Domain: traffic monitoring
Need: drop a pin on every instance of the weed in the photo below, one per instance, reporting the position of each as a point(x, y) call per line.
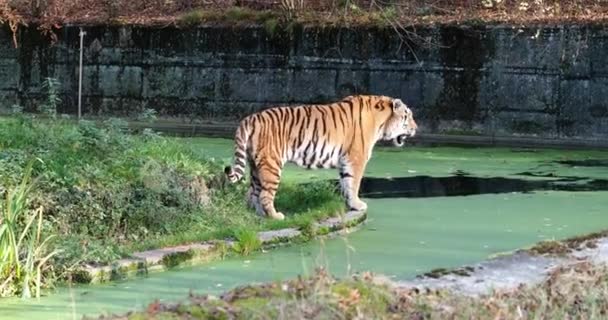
point(177, 258)
point(16, 109)
point(24, 253)
point(308, 228)
point(191, 18)
point(271, 26)
point(51, 87)
point(148, 115)
point(222, 249)
point(247, 241)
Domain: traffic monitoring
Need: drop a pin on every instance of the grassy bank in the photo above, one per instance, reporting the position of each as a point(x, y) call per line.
point(574, 292)
point(101, 194)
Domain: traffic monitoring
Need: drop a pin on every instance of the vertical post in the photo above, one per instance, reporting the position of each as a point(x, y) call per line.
point(82, 33)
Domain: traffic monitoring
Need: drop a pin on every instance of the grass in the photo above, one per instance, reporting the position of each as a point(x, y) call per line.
point(104, 193)
point(23, 252)
point(247, 241)
point(576, 291)
point(232, 15)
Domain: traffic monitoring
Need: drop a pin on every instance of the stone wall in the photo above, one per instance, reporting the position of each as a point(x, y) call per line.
point(546, 81)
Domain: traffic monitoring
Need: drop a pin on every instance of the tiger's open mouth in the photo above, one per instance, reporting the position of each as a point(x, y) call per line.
point(399, 140)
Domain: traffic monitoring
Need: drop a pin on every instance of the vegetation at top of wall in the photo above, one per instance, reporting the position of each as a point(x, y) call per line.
point(50, 15)
point(574, 292)
point(101, 193)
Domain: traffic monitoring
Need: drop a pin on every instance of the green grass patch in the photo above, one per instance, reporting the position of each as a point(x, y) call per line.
point(233, 15)
point(247, 241)
point(105, 193)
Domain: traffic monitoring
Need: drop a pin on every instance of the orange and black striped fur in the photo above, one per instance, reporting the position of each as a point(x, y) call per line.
point(337, 135)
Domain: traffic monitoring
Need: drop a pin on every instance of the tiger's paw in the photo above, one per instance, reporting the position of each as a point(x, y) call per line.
point(278, 216)
point(358, 205)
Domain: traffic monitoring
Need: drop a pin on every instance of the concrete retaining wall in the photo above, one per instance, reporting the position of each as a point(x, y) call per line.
point(546, 81)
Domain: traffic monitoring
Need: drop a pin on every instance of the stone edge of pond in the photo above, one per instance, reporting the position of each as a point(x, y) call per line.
point(162, 259)
point(508, 271)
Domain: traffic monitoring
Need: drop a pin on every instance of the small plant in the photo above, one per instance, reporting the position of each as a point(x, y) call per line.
point(247, 241)
point(51, 87)
point(149, 134)
point(23, 252)
point(222, 249)
point(191, 18)
point(237, 14)
point(291, 7)
point(148, 115)
point(16, 109)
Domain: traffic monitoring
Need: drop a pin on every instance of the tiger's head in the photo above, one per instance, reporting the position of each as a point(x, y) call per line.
point(401, 124)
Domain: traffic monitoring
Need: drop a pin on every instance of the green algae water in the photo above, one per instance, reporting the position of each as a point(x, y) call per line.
point(427, 224)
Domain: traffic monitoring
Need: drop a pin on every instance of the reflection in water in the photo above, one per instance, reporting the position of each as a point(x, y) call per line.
point(461, 185)
point(585, 163)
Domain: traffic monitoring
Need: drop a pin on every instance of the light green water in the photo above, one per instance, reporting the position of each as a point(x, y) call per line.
point(403, 236)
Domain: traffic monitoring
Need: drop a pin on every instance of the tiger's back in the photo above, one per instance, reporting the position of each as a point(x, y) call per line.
point(336, 135)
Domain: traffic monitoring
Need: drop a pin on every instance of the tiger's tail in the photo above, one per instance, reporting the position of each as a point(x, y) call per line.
point(236, 171)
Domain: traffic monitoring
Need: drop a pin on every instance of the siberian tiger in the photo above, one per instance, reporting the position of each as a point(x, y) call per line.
point(336, 135)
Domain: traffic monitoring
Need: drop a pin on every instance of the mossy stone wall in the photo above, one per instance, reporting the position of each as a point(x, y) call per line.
point(544, 81)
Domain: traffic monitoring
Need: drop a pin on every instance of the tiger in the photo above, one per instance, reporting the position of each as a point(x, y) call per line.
point(338, 135)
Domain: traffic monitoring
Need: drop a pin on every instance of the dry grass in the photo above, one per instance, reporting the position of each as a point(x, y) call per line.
point(53, 13)
point(401, 15)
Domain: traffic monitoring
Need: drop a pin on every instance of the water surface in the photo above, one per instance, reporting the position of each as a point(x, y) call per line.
point(428, 208)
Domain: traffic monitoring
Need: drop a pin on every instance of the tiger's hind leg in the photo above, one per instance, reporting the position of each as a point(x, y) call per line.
point(269, 174)
point(253, 193)
point(351, 173)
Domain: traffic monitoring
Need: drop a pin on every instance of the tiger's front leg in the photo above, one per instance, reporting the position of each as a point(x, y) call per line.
point(351, 173)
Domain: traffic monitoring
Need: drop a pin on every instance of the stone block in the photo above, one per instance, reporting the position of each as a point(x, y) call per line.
point(7, 47)
point(120, 81)
point(352, 82)
point(313, 86)
point(238, 85)
point(164, 81)
point(583, 110)
point(156, 256)
point(273, 86)
point(534, 48)
point(9, 74)
point(110, 106)
point(232, 110)
point(536, 124)
point(278, 235)
point(319, 43)
point(8, 98)
point(404, 85)
point(575, 57)
point(432, 84)
point(355, 45)
point(598, 47)
point(574, 97)
point(518, 91)
point(202, 82)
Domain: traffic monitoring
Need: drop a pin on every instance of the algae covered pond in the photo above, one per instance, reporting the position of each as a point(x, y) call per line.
point(428, 208)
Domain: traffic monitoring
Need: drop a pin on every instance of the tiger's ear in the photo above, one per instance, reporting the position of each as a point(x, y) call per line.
point(399, 107)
